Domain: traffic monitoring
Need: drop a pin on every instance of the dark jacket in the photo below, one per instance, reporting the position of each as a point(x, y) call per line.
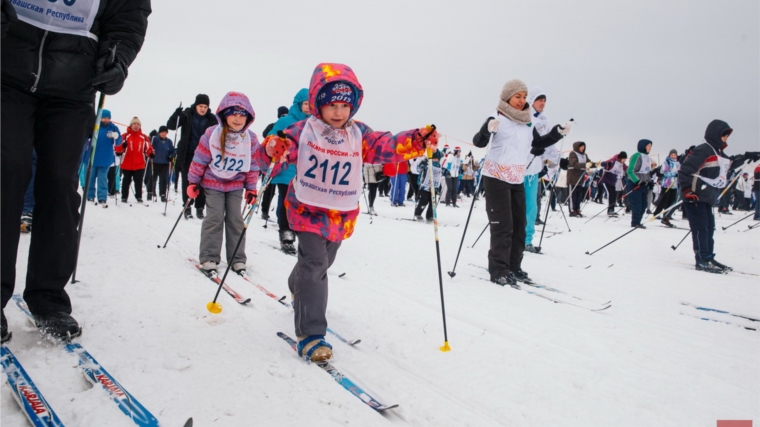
point(575, 169)
point(63, 65)
point(704, 162)
point(608, 177)
point(164, 149)
point(188, 140)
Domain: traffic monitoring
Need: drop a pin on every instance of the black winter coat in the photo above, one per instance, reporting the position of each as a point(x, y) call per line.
point(187, 143)
point(63, 65)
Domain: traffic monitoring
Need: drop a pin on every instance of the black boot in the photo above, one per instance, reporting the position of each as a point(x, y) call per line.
point(287, 242)
point(199, 213)
point(507, 280)
point(722, 266)
point(522, 276)
point(58, 325)
point(6, 335)
point(188, 213)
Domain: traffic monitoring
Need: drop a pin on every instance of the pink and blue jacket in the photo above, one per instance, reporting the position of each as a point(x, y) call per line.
point(200, 173)
point(377, 148)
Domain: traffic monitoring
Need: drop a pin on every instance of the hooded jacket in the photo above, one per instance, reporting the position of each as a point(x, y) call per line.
point(188, 140)
point(201, 173)
point(104, 151)
point(294, 115)
point(576, 167)
point(377, 148)
point(164, 149)
point(138, 149)
point(704, 162)
point(63, 65)
point(609, 177)
point(638, 171)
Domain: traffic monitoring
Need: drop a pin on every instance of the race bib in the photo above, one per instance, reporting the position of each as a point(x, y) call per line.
point(646, 164)
point(59, 16)
point(237, 154)
point(329, 166)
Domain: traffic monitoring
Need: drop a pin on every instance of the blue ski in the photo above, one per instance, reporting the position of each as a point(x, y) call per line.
point(27, 394)
point(343, 380)
point(715, 310)
point(97, 375)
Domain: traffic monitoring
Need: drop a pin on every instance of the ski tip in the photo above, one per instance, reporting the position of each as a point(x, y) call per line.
point(188, 423)
point(354, 342)
point(385, 408)
point(341, 274)
point(246, 301)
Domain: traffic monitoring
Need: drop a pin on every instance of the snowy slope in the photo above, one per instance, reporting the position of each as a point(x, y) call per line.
point(516, 359)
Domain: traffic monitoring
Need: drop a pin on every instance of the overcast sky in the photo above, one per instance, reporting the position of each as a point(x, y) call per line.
point(624, 70)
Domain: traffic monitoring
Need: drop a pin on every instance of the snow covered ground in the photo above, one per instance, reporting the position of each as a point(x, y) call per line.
point(516, 359)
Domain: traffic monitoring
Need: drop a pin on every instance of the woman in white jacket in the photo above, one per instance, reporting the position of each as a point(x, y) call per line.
point(503, 173)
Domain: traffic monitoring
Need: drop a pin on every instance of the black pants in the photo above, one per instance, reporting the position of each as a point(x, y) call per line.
point(384, 186)
point(200, 201)
point(611, 196)
point(112, 181)
point(451, 190)
point(282, 213)
point(637, 197)
point(148, 178)
point(702, 225)
point(468, 187)
point(414, 186)
point(55, 128)
point(266, 200)
point(422, 203)
point(160, 174)
point(667, 197)
point(577, 197)
point(126, 180)
point(505, 206)
point(372, 193)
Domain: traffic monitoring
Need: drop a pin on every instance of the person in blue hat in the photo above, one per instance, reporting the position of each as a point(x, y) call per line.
point(108, 136)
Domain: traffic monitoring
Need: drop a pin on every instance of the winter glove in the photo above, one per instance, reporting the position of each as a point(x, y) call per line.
point(250, 196)
point(428, 135)
point(9, 16)
point(689, 195)
point(152, 155)
point(277, 146)
point(543, 172)
point(752, 156)
point(565, 129)
point(564, 163)
point(650, 184)
point(124, 145)
point(193, 191)
point(111, 135)
point(110, 73)
point(178, 111)
point(493, 126)
point(537, 151)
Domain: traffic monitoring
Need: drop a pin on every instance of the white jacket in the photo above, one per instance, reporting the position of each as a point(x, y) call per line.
point(510, 148)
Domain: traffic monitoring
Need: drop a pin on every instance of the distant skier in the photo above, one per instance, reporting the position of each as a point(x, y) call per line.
point(612, 180)
point(640, 181)
point(669, 187)
point(427, 199)
point(136, 149)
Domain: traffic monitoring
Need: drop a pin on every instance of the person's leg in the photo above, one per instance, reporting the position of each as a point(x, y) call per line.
point(700, 235)
point(637, 203)
point(233, 226)
point(612, 197)
point(530, 185)
point(266, 200)
point(757, 206)
point(309, 285)
point(372, 194)
point(519, 218)
point(454, 190)
point(499, 211)
point(401, 188)
point(162, 176)
point(212, 228)
point(185, 184)
point(102, 183)
point(126, 181)
point(138, 177)
point(91, 185)
point(29, 195)
point(282, 213)
point(111, 180)
point(708, 214)
point(410, 178)
point(421, 203)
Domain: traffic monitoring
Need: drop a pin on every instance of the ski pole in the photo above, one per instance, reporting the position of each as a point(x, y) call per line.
point(600, 212)
point(88, 175)
point(725, 228)
point(364, 193)
point(480, 235)
point(665, 212)
point(562, 211)
point(752, 227)
point(543, 228)
point(168, 183)
point(187, 204)
point(453, 273)
point(213, 306)
point(679, 243)
point(626, 233)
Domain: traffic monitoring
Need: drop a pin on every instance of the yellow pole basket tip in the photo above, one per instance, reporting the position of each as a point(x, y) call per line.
point(214, 307)
point(445, 347)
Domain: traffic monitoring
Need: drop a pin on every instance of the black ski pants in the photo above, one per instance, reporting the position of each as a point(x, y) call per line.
point(423, 202)
point(266, 199)
point(577, 197)
point(126, 179)
point(372, 190)
point(666, 200)
point(55, 128)
point(160, 174)
point(282, 213)
point(611, 196)
point(505, 206)
point(702, 225)
point(414, 186)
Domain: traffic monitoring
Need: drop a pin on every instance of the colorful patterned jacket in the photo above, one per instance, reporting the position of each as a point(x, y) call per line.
point(377, 148)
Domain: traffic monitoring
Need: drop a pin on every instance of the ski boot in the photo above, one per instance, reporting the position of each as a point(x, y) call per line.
point(429, 220)
point(721, 266)
point(508, 279)
point(418, 218)
point(209, 268)
point(314, 348)
point(199, 213)
point(6, 334)
point(522, 276)
point(532, 249)
point(26, 223)
point(666, 222)
point(539, 222)
point(239, 268)
point(372, 211)
point(708, 267)
point(641, 226)
point(188, 213)
point(611, 213)
point(287, 240)
point(58, 325)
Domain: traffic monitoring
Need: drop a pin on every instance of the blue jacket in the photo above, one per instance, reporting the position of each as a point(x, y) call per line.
point(104, 156)
point(294, 115)
point(164, 149)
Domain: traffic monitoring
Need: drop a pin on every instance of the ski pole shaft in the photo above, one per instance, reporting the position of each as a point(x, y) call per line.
point(726, 228)
point(168, 184)
point(679, 243)
point(88, 176)
point(543, 227)
point(364, 193)
point(480, 235)
point(453, 273)
point(187, 204)
point(626, 233)
point(600, 212)
point(752, 227)
point(665, 213)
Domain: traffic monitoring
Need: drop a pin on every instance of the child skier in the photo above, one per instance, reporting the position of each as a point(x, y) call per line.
point(639, 174)
point(503, 175)
point(669, 190)
point(323, 200)
point(222, 166)
point(426, 198)
point(613, 179)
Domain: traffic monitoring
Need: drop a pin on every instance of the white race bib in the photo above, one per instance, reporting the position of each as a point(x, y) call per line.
point(722, 180)
point(329, 166)
point(59, 16)
point(646, 164)
point(237, 154)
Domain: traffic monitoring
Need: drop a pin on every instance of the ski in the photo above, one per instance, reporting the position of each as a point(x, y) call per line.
point(215, 278)
point(729, 271)
point(602, 307)
point(715, 310)
point(26, 393)
point(97, 375)
point(718, 321)
point(341, 379)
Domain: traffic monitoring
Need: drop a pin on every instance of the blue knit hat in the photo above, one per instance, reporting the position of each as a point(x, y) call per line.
point(105, 115)
point(337, 91)
point(233, 110)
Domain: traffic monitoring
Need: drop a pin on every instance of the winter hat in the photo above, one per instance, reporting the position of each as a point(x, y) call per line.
point(337, 92)
point(105, 114)
point(163, 129)
point(508, 91)
point(135, 120)
point(535, 94)
point(457, 148)
point(282, 111)
point(202, 99)
point(623, 155)
point(642, 145)
point(673, 151)
point(233, 110)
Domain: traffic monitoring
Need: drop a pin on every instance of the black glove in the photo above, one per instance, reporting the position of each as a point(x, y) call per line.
point(650, 184)
point(537, 151)
point(564, 163)
point(171, 156)
point(9, 16)
point(152, 155)
point(110, 73)
point(752, 156)
point(543, 172)
point(178, 111)
point(124, 145)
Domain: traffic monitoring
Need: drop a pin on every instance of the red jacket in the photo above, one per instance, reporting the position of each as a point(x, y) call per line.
point(138, 150)
point(391, 169)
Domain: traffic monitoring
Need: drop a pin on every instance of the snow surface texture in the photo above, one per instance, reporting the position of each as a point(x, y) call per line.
point(516, 359)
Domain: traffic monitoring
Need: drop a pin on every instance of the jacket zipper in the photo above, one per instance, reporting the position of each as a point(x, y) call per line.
point(39, 64)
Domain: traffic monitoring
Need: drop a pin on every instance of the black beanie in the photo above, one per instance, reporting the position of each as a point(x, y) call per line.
point(202, 99)
point(623, 155)
point(282, 111)
point(162, 129)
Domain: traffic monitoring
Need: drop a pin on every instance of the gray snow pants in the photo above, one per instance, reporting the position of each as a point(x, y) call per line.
point(308, 282)
point(223, 219)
